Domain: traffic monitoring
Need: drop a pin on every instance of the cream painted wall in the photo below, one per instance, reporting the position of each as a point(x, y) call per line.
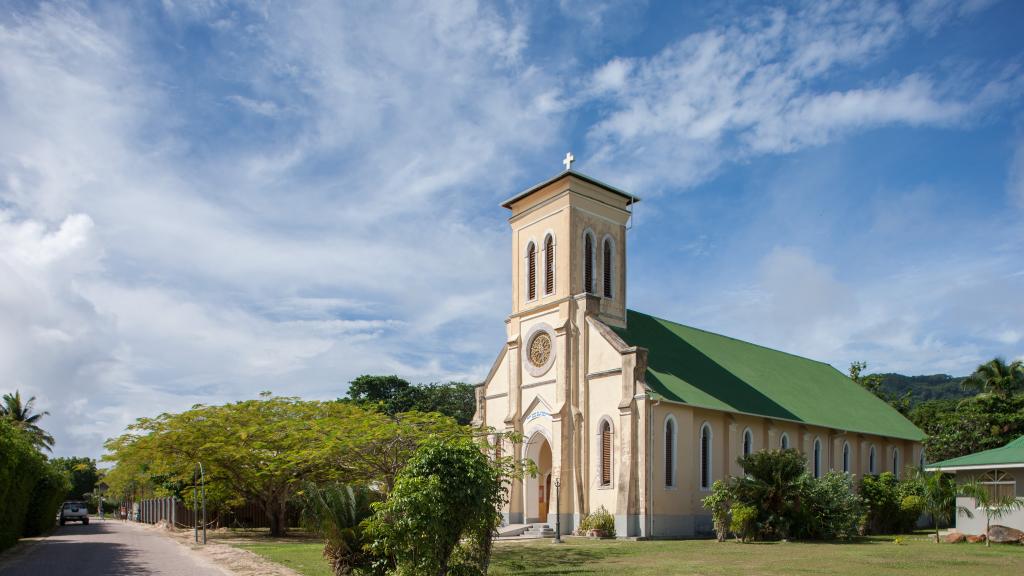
point(603, 405)
point(601, 355)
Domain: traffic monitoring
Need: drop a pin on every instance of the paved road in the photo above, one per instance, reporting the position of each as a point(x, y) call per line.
point(108, 548)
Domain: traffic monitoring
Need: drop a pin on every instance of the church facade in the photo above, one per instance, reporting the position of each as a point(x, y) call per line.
point(638, 414)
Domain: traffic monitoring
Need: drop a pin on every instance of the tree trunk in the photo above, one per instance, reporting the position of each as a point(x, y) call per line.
point(277, 513)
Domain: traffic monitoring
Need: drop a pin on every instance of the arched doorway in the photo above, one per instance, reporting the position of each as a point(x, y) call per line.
point(538, 489)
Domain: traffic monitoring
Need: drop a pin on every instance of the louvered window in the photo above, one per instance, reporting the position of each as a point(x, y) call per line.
point(606, 454)
point(588, 263)
point(497, 447)
point(705, 457)
point(531, 271)
point(549, 265)
point(607, 268)
point(670, 460)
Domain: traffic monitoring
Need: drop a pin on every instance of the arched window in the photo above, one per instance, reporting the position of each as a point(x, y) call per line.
point(846, 457)
point(531, 271)
point(784, 441)
point(497, 446)
point(817, 458)
point(896, 462)
point(871, 461)
point(607, 267)
point(748, 442)
point(588, 262)
point(670, 451)
point(998, 484)
point(549, 264)
point(705, 457)
point(606, 453)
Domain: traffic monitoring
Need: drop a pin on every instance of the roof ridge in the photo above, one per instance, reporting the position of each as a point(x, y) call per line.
point(762, 346)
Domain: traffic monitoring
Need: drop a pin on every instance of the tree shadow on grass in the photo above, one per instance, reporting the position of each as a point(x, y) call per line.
point(566, 559)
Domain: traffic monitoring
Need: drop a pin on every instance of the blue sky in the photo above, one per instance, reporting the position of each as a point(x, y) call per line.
point(203, 200)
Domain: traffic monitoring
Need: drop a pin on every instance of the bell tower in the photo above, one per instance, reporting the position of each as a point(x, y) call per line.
point(569, 241)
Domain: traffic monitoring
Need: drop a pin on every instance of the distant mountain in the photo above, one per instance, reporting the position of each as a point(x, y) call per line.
point(922, 388)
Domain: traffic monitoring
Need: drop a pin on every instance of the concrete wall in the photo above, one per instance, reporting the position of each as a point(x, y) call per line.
point(976, 525)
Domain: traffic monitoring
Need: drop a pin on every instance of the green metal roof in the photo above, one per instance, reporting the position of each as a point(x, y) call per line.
point(1012, 453)
point(709, 370)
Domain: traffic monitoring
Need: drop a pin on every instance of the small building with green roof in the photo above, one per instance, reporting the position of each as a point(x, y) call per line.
point(1000, 471)
point(637, 415)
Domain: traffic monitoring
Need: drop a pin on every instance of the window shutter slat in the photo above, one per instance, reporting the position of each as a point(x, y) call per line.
point(588, 264)
point(606, 454)
point(531, 274)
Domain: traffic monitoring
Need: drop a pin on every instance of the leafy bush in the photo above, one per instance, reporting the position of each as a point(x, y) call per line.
point(20, 467)
point(718, 502)
point(51, 486)
point(599, 519)
point(830, 507)
point(772, 485)
point(442, 513)
point(744, 521)
point(336, 512)
point(884, 497)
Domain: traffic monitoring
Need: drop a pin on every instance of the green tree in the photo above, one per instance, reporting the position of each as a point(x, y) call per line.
point(888, 509)
point(378, 445)
point(260, 449)
point(450, 492)
point(938, 497)
point(21, 414)
point(83, 475)
point(992, 505)
point(874, 383)
point(997, 377)
point(393, 395)
point(957, 428)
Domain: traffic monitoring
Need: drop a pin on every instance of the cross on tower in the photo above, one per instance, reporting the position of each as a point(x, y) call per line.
point(569, 159)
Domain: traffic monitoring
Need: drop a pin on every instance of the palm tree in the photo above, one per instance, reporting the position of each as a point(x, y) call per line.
point(991, 504)
point(336, 513)
point(996, 377)
point(939, 497)
point(20, 413)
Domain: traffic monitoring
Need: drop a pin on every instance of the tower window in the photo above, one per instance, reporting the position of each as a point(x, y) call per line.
point(531, 271)
point(549, 264)
point(606, 453)
point(608, 267)
point(588, 263)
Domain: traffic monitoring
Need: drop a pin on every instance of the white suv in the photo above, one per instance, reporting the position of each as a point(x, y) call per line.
point(74, 512)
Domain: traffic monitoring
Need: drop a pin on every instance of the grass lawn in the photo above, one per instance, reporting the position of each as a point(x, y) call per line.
point(877, 555)
point(304, 557)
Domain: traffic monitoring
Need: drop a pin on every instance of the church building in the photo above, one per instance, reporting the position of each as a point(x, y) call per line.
point(639, 414)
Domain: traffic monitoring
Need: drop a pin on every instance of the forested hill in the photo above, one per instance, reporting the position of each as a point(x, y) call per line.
point(921, 388)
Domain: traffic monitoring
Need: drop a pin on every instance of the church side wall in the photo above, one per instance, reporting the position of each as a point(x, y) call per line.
point(603, 405)
point(678, 512)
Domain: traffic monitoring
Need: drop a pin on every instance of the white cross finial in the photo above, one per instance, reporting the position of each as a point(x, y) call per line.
point(569, 159)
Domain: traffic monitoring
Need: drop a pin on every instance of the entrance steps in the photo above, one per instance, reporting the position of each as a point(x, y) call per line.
point(526, 531)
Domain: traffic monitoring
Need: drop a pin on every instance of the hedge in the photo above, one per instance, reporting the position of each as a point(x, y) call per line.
point(31, 490)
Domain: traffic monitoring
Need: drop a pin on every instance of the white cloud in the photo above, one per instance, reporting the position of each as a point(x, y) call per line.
point(753, 88)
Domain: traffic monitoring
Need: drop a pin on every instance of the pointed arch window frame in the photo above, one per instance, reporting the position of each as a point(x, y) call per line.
point(608, 266)
point(530, 276)
point(589, 261)
point(748, 442)
point(605, 458)
point(705, 464)
point(671, 452)
point(550, 249)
